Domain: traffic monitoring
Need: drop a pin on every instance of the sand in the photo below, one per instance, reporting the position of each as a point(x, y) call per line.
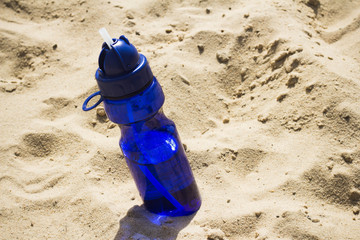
point(265, 95)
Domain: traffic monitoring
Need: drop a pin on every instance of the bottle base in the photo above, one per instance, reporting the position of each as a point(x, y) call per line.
point(188, 197)
point(174, 213)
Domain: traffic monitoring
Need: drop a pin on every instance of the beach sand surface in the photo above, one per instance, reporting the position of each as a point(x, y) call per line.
point(265, 96)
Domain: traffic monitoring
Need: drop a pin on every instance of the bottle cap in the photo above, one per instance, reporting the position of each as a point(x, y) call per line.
point(122, 72)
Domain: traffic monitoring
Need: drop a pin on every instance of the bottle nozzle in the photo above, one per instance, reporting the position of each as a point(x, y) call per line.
point(105, 35)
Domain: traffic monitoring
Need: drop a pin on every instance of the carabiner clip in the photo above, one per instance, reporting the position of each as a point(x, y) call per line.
point(85, 108)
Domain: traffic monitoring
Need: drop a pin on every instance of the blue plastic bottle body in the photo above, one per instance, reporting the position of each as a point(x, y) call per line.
point(152, 149)
point(133, 99)
point(154, 153)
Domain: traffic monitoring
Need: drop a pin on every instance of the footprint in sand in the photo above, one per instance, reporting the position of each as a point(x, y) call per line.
point(46, 144)
point(243, 161)
point(58, 107)
point(24, 63)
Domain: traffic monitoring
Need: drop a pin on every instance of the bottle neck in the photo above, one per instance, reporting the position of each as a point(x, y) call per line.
point(136, 108)
point(156, 115)
point(156, 122)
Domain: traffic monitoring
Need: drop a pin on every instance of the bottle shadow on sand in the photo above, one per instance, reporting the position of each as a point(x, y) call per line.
point(139, 224)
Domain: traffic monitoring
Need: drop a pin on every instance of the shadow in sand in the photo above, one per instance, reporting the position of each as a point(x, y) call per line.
point(139, 224)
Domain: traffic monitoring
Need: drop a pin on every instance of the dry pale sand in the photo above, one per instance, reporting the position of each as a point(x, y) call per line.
point(265, 95)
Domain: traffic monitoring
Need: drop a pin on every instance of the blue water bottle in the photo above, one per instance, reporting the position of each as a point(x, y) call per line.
point(133, 99)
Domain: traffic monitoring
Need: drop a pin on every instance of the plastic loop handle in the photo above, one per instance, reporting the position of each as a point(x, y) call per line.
point(85, 108)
